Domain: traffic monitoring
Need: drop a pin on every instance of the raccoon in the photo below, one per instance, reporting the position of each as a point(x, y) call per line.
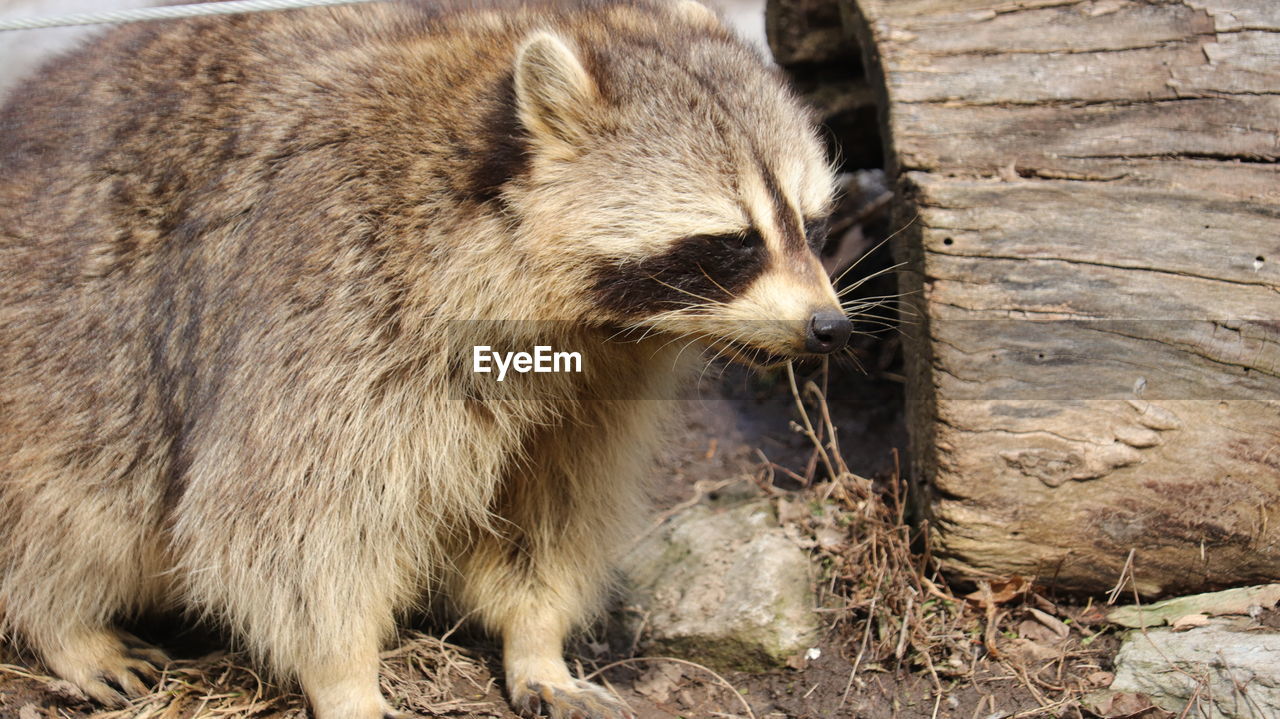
point(234, 253)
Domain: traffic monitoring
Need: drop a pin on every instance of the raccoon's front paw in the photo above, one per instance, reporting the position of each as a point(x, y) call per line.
point(110, 667)
point(576, 700)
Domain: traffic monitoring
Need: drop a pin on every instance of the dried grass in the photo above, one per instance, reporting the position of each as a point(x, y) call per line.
point(424, 675)
point(897, 611)
point(895, 599)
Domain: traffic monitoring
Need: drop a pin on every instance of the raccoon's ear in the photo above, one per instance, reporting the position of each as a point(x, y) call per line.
point(695, 12)
point(555, 96)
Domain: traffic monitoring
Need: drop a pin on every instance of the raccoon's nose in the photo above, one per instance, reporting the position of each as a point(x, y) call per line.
point(828, 331)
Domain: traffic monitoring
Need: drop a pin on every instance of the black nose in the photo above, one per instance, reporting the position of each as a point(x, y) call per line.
point(828, 331)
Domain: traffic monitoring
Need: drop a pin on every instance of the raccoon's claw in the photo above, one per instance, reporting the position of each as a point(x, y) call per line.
point(114, 686)
point(109, 667)
point(147, 653)
point(578, 700)
point(103, 693)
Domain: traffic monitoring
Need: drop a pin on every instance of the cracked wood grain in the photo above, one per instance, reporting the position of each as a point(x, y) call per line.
point(1062, 221)
point(1095, 261)
point(1100, 136)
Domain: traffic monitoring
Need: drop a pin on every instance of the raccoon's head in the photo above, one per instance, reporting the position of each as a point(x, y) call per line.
point(680, 180)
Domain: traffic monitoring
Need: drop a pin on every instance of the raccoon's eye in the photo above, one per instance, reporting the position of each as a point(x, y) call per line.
point(815, 231)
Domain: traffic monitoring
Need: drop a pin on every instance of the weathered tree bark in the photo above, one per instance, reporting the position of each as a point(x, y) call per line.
point(1091, 202)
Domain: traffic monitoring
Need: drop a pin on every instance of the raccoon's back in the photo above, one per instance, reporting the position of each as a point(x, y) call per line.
point(148, 138)
point(201, 213)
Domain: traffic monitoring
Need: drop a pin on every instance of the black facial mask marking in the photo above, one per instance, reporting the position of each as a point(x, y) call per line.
point(696, 270)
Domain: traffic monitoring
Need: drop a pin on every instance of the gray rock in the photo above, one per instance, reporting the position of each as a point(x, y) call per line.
point(727, 589)
point(1227, 669)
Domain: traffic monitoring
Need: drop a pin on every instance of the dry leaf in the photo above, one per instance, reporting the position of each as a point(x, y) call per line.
point(1190, 621)
point(999, 592)
point(1037, 632)
point(1054, 624)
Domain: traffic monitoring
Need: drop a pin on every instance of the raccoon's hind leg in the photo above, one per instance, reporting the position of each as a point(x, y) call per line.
point(108, 665)
point(538, 680)
point(346, 687)
point(320, 619)
point(68, 626)
point(75, 562)
point(312, 591)
point(545, 568)
point(64, 609)
point(533, 598)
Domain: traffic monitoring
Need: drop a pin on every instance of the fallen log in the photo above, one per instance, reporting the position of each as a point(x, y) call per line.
point(1089, 206)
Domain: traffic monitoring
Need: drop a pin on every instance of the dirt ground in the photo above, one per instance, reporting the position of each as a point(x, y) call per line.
point(952, 672)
